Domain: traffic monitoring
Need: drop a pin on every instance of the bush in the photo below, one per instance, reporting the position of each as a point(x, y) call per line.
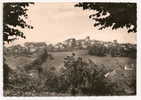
point(85, 78)
point(97, 50)
point(21, 83)
point(6, 71)
point(51, 81)
point(114, 51)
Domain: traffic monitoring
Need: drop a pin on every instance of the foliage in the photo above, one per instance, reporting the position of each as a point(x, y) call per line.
point(90, 78)
point(51, 81)
point(77, 77)
point(6, 71)
point(115, 15)
point(14, 16)
point(97, 50)
point(20, 83)
point(121, 50)
point(28, 77)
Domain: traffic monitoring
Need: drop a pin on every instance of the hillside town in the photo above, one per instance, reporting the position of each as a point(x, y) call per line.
point(99, 48)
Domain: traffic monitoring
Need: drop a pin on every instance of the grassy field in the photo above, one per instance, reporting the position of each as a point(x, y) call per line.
point(108, 61)
point(58, 60)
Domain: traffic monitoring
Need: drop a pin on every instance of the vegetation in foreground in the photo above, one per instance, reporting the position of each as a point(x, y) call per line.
point(77, 76)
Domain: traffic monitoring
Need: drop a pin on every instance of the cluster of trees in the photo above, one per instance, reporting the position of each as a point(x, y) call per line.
point(27, 49)
point(90, 79)
point(121, 50)
point(15, 50)
point(23, 73)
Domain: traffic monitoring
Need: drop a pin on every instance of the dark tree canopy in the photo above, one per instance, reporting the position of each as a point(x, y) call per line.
point(120, 15)
point(14, 15)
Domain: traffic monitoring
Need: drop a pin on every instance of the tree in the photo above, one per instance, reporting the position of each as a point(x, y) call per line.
point(14, 16)
point(115, 15)
point(90, 78)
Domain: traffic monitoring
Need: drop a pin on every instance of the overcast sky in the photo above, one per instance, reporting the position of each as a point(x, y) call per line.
point(56, 22)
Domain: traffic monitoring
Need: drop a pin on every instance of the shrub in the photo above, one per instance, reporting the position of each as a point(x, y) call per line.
point(97, 50)
point(85, 78)
point(21, 83)
point(51, 80)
